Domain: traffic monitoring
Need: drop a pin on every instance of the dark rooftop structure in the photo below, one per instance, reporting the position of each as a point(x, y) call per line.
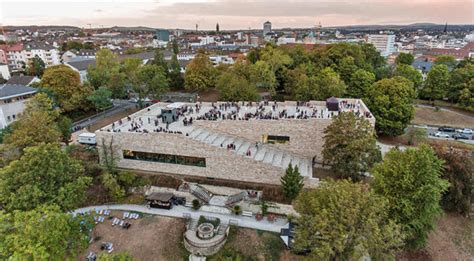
point(332, 104)
point(13, 90)
point(82, 65)
point(22, 80)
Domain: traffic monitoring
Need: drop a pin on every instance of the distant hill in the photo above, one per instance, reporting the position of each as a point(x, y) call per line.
point(40, 27)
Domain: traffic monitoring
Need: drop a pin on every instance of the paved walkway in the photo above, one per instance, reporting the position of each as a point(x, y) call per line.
point(185, 212)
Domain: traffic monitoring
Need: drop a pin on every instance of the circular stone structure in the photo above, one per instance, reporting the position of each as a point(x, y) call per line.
point(205, 230)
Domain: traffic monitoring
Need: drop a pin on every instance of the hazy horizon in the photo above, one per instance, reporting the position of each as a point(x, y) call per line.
point(237, 14)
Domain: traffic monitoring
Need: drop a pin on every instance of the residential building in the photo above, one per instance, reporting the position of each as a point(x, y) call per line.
point(384, 43)
point(4, 71)
point(24, 80)
point(18, 55)
point(459, 53)
point(12, 102)
point(74, 55)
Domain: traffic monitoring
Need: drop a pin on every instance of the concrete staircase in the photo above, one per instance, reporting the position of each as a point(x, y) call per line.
point(193, 223)
point(263, 153)
point(222, 228)
point(200, 192)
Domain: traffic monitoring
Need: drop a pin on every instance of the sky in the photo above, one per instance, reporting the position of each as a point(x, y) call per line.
point(233, 14)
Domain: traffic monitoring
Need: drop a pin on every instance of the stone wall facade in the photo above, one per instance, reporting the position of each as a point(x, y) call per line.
point(220, 163)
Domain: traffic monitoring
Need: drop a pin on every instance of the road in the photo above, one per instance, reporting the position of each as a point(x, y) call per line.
point(118, 106)
point(183, 212)
point(432, 130)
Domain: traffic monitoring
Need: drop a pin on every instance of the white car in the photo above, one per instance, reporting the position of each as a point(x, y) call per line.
point(441, 135)
point(466, 131)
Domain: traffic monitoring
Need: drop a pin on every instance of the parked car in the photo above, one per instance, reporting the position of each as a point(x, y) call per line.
point(446, 129)
point(441, 135)
point(466, 131)
point(460, 136)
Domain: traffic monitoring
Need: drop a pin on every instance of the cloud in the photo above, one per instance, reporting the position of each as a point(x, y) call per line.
point(235, 14)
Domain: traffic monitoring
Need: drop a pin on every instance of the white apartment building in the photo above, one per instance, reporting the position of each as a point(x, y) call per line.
point(19, 56)
point(12, 102)
point(384, 43)
point(4, 71)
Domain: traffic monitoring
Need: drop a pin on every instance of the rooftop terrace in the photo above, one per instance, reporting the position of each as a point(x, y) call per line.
point(150, 119)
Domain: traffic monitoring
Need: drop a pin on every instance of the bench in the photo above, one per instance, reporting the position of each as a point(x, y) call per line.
point(247, 214)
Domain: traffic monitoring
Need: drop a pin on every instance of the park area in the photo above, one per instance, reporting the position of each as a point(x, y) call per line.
point(148, 238)
point(431, 116)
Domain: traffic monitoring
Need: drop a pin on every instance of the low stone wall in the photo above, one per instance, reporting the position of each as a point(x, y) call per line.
point(202, 247)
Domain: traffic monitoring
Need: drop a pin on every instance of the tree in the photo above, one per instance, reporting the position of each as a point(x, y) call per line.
point(175, 46)
point(391, 102)
point(297, 83)
point(44, 174)
point(291, 182)
point(44, 233)
point(196, 204)
point(359, 82)
point(409, 73)
point(117, 85)
point(36, 125)
point(73, 45)
point(372, 57)
point(341, 220)
point(415, 135)
point(411, 181)
point(233, 87)
point(36, 66)
point(350, 145)
point(326, 84)
point(447, 60)
point(152, 82)
point(262, 76)
point(106, 65)
point(466, 96)
point(160, 60)
point(459, 80)
point(253, 55)
point(200, 74)
point(405, 58)
point(275, 58)
point(115, 191)
point(175, 75)
point(437, 82)
point(100, 98)
point(65, 128)
point(65, 84)
point(458, 170)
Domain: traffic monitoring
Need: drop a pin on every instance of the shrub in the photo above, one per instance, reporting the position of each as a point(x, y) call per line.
point(196, 204)
point(237, 210)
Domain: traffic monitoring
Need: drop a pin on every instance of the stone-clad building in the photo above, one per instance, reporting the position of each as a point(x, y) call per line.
point(251, 142)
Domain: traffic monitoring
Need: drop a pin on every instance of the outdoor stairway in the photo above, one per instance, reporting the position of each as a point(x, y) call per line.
point(263, 153)
point(201, 193)
point(222, 228)
point(193, 223)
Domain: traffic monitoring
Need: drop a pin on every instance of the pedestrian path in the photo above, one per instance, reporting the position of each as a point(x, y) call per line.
point(185, 212)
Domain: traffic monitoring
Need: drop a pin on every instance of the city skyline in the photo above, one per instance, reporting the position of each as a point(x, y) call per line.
point(239, 14)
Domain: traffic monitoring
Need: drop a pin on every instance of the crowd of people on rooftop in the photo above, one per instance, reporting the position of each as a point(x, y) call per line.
point(263, 110)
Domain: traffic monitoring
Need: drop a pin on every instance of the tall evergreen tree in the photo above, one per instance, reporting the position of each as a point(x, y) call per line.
point(291, 182)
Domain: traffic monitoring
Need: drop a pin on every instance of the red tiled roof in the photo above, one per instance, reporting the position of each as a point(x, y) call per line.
point(14, 48)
